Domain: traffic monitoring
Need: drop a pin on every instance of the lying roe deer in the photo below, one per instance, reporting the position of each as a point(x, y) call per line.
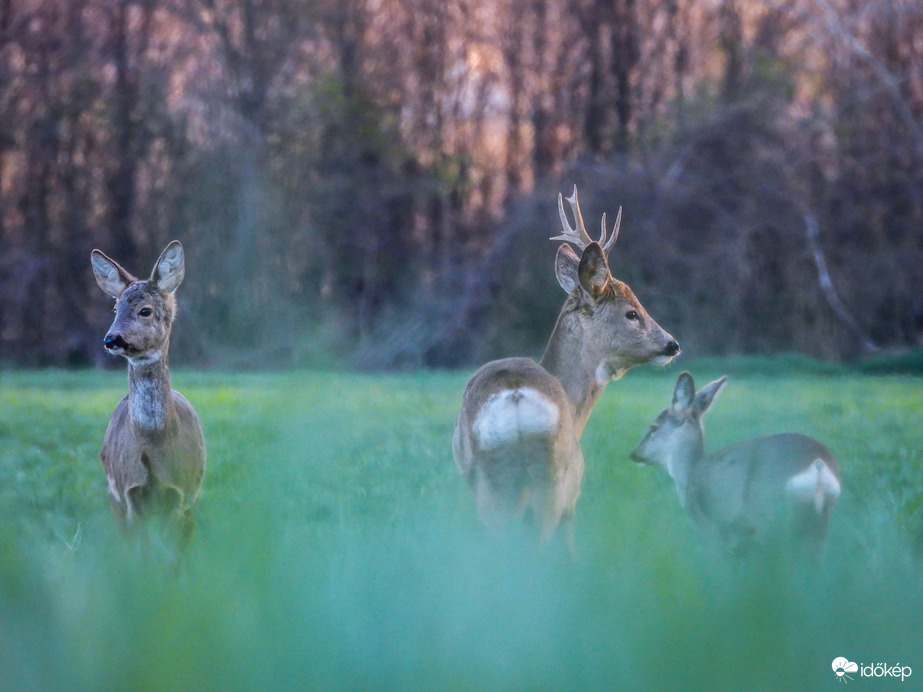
point(517, 435)
point(745, 492)
point(154, 450)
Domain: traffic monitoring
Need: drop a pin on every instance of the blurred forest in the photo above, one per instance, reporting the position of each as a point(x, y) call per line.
point(373, 182)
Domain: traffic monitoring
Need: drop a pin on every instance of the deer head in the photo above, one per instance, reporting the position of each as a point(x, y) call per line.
point(602, 313)
point(144, 310)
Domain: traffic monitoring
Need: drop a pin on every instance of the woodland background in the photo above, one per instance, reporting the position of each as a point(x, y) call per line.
point(372, 183)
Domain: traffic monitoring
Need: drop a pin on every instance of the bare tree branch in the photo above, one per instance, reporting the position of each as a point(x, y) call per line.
point(826, 285)
point(890, 81)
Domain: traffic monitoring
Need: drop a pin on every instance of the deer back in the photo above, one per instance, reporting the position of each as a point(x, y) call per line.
point(756, 482)
point(505, 402)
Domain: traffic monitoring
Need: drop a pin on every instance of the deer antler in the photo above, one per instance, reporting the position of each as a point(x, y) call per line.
point(579, 236)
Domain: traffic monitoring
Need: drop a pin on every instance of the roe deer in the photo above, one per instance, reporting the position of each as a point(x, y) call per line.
point(517, 435)
point(154, 450)
point(743, 492)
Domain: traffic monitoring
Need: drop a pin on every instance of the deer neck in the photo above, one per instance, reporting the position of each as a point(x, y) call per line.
point(681, 463)
point(150, 401)
point(572, 359)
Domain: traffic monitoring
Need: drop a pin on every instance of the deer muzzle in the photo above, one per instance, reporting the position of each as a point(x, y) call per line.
point(114, 343)
point(637, 456)
point(669, 352)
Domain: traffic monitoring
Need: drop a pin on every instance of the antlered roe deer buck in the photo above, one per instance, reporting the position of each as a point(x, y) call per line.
point(517, 435)
point(154, 450)
point(745, 493)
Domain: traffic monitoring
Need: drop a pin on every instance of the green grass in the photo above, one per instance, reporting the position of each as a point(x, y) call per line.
point(337, 547)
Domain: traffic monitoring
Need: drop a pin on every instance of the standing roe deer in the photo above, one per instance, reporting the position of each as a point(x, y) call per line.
point(742, 492)
point(517, 435)
point(154, 450)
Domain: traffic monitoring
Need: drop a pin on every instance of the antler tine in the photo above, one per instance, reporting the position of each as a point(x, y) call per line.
point(607, 244)
point(578, 216)
point(577, 235)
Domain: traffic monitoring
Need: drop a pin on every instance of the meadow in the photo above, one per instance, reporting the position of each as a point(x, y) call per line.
point(338, 548)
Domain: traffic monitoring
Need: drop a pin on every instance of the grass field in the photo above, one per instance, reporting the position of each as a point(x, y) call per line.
point(337, 547)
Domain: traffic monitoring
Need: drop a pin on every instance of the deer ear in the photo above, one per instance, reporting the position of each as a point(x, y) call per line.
point(566, 264)
point(683, 393)
point(110, 276)
point(170, 268)
point(706, 395)
point(593, 271)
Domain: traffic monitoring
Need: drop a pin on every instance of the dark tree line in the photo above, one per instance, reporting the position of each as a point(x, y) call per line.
point(374, 182)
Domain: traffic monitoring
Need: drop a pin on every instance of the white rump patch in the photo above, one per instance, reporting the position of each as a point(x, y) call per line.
point(513, 413)
point(816, 484)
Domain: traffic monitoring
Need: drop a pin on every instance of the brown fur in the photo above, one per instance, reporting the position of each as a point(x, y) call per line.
point(154, 450)
point(533, 414)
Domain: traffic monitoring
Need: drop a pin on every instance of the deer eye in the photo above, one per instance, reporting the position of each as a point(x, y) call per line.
point(145, 312)
point(632, 315)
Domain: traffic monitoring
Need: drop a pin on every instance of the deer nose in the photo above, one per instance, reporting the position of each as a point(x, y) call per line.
point(114, 341)
point(672, 348)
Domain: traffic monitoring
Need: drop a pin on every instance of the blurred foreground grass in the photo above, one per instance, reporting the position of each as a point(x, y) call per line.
point(337, 548)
